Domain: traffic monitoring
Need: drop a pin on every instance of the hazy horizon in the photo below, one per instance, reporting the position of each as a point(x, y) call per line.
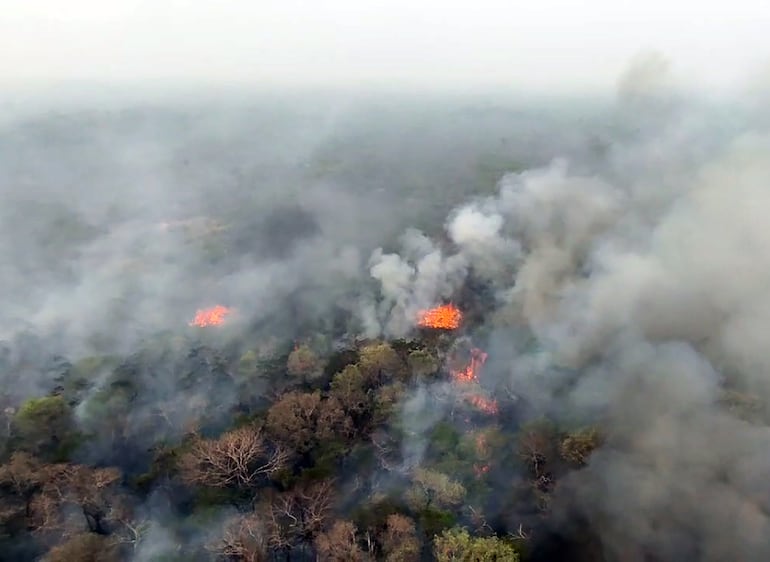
point(553, 47)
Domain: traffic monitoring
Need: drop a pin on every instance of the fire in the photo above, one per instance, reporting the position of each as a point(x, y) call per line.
point(214, 316)
point(470, 375)
point(486, 405)
point(445, 317)
point(471, 371)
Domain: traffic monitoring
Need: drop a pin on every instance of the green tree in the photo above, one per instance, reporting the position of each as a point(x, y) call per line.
point(458, 545)
point(577, 446)
point(349, 387)
point(431, 488)
point(421, 363)
point(380, 360)
point(45, 428)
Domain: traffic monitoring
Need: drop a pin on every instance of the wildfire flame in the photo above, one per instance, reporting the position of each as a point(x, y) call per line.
point(214, 316)
point(470, 372)
point(470, 375)
point(444, 317)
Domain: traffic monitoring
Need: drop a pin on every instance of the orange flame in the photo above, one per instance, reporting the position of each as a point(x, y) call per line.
point(444, 317)
point(214, 316)
point(470, 375)
point(471, 371)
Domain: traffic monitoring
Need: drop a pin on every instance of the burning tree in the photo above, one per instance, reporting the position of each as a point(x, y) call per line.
point(445, 317)
point(214, 316)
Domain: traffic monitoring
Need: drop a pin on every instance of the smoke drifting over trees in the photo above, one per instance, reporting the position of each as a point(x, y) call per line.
point(612, 261)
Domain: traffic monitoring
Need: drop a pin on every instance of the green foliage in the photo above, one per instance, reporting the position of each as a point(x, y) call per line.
point(444, 438)
point(386, 400)
point(578, 445)
point(377, 360)
point(431, 488)
point(433, 520)
point(422, 364)
point(374, 513)
point(45, 427)
point(458, 545)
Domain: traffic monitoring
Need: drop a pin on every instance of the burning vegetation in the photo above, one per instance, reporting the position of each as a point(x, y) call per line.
point(214, 316)
point(445, 317)
point(449, 317)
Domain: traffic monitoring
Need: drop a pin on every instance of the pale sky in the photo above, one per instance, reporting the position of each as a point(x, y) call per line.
point(554, 45)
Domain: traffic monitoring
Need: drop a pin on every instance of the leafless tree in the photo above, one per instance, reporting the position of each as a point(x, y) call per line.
point(237, 458)
point(243, 539)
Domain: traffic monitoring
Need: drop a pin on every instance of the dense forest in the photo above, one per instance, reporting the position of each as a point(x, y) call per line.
point(386, 329)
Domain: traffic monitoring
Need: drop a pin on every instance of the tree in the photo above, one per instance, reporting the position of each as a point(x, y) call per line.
point(399, 539)
point(238, 458)
point(421, 363)
point(349, 387)
point(339, 543)
point(243, 538)
point(577, 446)
point(304, 364)
point(45, 428)
point(298, 514)
point(378, 360)
point(84, 547)
point(386, 399)
point(93, 492)
point(303, 420)
point(431, 488)
point(458, 545)
point(537, 446)
point(21, 477)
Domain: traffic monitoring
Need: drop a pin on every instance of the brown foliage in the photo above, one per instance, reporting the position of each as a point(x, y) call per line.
point(578, 446)
point(243, 539)
point(237, 458)
point(45, 493)
point(399, 539)
point(299, 514)
point(21, 477)
point(84, 547)
point(301, 420)
point(537, 447)
point(304, 364)
point(339, 543)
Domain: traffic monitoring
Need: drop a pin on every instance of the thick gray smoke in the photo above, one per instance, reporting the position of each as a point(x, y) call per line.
point(644, 278)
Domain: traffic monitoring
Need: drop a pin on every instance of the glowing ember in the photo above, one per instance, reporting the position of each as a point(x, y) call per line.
point(470, 375)
point(214, 316)
point(471, 372)
point(445, 317)
point(486, 405)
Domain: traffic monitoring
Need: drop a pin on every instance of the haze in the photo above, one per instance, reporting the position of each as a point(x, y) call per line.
point(533, 46)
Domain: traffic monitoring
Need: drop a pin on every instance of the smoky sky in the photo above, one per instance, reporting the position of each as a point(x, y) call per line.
point(536, 46)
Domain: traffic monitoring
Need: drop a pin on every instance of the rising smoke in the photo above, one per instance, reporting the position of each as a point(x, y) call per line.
point(636, 268)
point(642, 278)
